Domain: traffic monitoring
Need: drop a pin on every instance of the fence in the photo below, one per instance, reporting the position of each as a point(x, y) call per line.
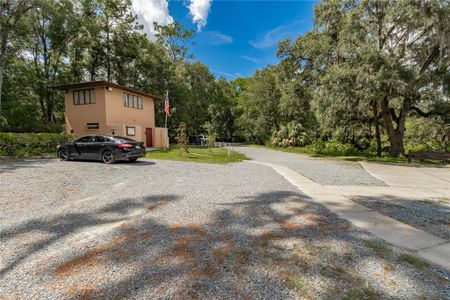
point(161, 138)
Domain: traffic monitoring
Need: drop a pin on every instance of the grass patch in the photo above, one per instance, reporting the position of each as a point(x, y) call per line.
point(437, 200)
point(359, 157)
point(199, 154)
point(293, 282)
point(413, 260)
point(363, 293)
point(379, 249)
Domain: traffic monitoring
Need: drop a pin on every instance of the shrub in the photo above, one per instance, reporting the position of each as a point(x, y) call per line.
point(332, 148)
point(182, 138)
point(291, 135)
point(25, 144)
point(211, 134)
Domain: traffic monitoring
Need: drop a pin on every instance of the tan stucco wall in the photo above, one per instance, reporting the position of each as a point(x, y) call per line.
point(118, 114)
point(111, 114)
point(78, 115)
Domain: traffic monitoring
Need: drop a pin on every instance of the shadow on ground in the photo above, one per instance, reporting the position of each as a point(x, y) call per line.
point(275, 245)
point(7, 165)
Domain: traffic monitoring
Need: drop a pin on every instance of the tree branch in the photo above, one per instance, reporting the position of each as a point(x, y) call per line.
point(422, 113)
point(433, 54)
point(393, 115)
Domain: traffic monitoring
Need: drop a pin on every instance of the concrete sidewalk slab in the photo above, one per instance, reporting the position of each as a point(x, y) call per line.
point(427, 246)
point(338, 203)
point(401, 192)
point(409, 176)
point(391, 230)
point(439, 254)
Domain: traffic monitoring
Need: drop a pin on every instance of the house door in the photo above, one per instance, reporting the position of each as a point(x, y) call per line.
point(149, 137)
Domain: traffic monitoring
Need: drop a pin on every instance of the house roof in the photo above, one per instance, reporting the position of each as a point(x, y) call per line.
point(102, 83)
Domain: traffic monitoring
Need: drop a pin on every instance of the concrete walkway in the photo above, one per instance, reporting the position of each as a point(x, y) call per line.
point(419, 242)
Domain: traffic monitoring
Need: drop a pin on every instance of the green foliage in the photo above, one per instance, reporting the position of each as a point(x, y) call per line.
point(331, 148)
point(182, 139)
point(391, 53)
point(175, 39)
point(66, 41)
point(269, 100)
point(291, 135)
point(427, 134)
point(26, 144)
point(211, 134)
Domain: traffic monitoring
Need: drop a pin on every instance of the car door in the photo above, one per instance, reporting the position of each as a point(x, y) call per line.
point(95, 147)
point(81, 147)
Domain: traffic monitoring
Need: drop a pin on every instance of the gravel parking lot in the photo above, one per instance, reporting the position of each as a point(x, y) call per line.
point(165, 229)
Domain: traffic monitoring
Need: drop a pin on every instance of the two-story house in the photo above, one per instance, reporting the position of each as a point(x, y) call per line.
point(102, 107)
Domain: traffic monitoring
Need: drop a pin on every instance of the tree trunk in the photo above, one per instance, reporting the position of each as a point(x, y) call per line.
point(395, 134)
point(92, 71)
point(2, 68)
point(377, 126)
point(3, 63)
point(108, 50)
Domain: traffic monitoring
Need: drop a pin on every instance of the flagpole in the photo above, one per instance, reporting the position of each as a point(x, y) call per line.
point(167, 95)
point(165, 123)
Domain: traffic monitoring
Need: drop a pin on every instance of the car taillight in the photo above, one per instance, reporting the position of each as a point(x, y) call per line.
point(125, 146)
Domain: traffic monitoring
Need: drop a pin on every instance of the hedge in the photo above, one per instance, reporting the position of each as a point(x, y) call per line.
point(332, 148)
point(29, 144)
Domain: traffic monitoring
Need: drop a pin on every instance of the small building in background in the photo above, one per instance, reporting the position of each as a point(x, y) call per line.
point(106, 108)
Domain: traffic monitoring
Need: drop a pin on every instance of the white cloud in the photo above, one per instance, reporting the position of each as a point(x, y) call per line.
point(277, 34)
point(254, 60)
point(217, 38)
point(225, 74)
point(199, 10)
point(150, 11)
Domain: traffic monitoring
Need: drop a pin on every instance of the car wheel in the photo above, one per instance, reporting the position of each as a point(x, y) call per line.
point(62, 154)
point(132, 159)
point(108, 157)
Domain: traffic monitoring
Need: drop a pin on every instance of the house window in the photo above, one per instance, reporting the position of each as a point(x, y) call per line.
point(131, 130)
point(81, 97)
point(132, 101)
point(92, 126)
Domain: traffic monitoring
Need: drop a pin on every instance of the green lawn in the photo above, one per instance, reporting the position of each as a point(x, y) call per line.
point(199, 154)
point(362, 157)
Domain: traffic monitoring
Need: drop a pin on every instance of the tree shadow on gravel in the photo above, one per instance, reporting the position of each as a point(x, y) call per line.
point(274, 245)
point(137, 163)
point(62, 226)
point(12, 165)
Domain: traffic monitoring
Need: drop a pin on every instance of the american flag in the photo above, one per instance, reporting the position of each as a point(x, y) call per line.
point(166, 103)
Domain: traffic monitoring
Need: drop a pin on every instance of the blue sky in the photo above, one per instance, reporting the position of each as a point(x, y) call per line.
point(234, 38)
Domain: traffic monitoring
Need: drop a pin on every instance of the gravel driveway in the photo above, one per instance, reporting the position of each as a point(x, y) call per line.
point(164, 229)
point(322, 171)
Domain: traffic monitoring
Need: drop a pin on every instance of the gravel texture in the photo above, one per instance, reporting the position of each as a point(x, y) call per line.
point(165, 230)
point(322, 171)
point(429, 214)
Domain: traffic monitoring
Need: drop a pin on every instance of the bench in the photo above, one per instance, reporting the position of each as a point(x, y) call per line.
point(444, 156)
